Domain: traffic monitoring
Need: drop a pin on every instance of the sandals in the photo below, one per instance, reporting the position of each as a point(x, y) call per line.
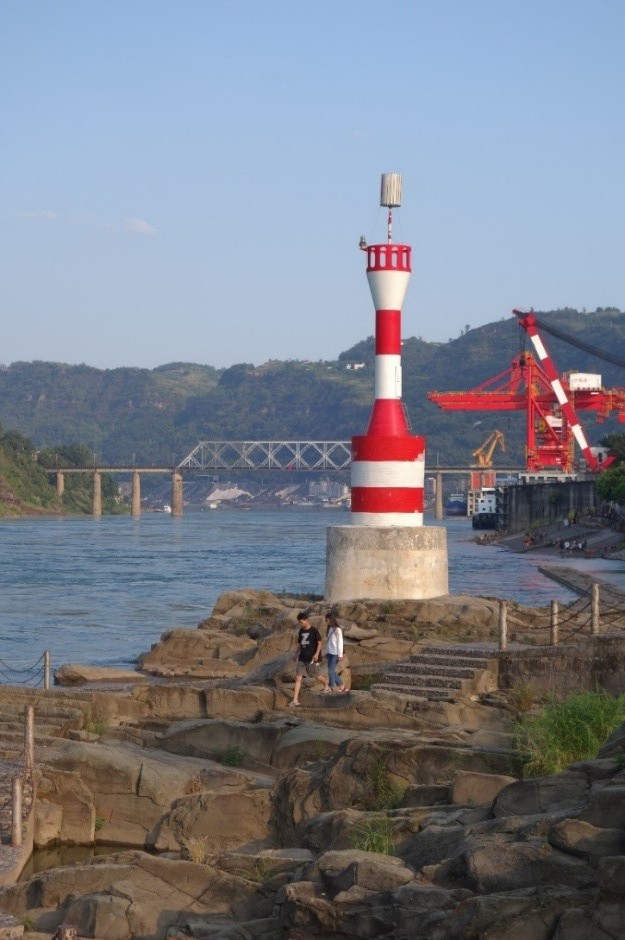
point(293, 704)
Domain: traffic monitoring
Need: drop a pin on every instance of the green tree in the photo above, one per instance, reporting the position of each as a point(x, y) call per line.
point(611, 485)
point(616, 445)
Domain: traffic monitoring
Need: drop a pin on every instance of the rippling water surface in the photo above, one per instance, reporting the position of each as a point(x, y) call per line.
point(102, 591)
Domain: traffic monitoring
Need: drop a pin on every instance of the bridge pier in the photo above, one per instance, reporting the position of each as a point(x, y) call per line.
point(136, 494)
point(176, 493)
point(438, 504)
point(97, 493)
point(60, 483)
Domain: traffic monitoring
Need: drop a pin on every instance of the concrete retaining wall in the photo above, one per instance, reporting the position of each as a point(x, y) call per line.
point(592, 663)
point(519, 507)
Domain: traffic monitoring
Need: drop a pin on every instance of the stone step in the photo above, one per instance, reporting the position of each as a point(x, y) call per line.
point(433, 694)
point(418, 668)
point(440, 659)
point(60, 718)
point(441, 672)
point(434, 682)
point(42, 735)
point(468, 652)
point(12, 696)
point(9, 753)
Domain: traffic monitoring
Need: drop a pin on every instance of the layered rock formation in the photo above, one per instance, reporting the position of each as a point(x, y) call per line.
point(218, 811)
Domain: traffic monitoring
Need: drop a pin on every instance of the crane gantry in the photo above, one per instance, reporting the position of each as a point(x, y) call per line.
point(551, 401)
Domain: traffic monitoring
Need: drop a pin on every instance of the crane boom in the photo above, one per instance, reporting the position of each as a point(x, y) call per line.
point(484, 454)
point(573, 341)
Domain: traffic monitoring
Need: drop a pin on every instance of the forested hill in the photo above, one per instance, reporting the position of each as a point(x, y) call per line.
point(26, 486)
point(158, 415)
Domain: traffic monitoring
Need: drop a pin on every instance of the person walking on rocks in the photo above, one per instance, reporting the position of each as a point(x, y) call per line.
point(334, 652)
point(307, 656)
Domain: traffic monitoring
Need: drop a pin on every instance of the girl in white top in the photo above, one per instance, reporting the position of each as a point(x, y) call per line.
point(334, 652)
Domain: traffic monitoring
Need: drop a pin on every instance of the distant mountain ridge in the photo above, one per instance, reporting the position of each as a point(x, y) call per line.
point(156, 416)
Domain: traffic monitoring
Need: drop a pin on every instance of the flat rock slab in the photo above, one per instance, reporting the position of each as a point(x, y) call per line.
point(77, 674)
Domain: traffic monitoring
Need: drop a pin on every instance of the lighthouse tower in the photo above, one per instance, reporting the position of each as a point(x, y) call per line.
point(387, 552)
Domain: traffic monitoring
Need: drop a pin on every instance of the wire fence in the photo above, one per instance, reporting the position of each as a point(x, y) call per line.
point(35, 674)
point(17, 787)
point(587, 615)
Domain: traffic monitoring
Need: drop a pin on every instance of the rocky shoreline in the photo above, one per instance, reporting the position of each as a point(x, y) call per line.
point(226, 814)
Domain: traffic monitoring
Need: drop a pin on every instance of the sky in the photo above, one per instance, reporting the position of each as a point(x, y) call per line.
point(187, 180)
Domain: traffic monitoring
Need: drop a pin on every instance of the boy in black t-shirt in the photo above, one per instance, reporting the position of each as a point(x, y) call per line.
point(307, 656)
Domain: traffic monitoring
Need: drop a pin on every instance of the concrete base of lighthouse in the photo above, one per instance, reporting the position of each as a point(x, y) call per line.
point(391, 563)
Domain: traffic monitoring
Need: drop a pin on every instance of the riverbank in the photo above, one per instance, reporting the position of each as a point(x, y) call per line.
point(590, 538)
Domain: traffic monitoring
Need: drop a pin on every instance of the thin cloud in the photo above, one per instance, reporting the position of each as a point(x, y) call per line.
point(139, 227)
point(39, 214)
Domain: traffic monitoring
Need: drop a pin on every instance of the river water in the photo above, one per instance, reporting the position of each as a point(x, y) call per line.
point(101, 591)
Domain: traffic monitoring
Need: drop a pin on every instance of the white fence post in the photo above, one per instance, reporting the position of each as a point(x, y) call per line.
point(594, 610)
point(503, 625)
point(555, 623)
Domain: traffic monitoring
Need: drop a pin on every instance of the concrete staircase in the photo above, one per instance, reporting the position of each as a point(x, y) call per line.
point(56, 712)
point(444, 673)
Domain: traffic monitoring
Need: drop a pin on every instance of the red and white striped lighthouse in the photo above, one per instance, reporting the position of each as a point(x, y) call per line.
point(388, 462)
point(386, 553)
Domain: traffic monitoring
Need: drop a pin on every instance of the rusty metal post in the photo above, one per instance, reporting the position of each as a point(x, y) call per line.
point(16, 821)
point(555, 623)
point(503, 626)
point(594, 609)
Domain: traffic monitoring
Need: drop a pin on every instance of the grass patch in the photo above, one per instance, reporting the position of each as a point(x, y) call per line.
point(523, 697)
point(381, 792)
point(569, 730)
point(373, 835)
point(198, 849)
point(363, 683)
point(232, 757)
point(322, 751)
point(261, 872)
point(96, 724)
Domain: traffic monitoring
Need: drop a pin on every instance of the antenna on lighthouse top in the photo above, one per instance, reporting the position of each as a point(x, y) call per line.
point(390, 196)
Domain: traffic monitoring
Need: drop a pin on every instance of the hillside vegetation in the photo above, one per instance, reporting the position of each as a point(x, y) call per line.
point(26, 487)
point(157, 416)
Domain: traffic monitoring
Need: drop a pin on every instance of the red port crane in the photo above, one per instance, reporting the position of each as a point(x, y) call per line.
point(550, 401)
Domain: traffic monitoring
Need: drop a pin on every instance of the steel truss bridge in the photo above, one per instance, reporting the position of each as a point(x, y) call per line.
point(286, 455)
point(268, 455)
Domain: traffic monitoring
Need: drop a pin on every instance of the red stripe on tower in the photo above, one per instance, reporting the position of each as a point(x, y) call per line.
point(388, 461)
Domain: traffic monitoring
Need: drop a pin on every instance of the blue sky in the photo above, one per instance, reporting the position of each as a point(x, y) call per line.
point(188, 180)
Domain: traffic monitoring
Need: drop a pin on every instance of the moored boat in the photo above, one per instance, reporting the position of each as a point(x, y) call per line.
point(484, 515)
point(456, 505)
